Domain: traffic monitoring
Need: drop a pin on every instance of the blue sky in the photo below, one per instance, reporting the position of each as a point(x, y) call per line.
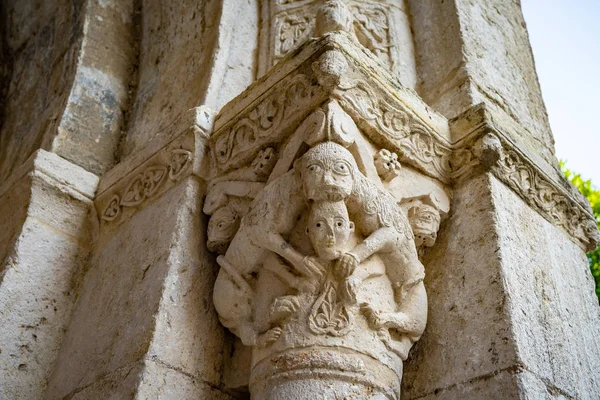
point(565, 38)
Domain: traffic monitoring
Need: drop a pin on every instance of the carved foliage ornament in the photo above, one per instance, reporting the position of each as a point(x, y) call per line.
point(147, 183)
point(322, 257)
point(297, 21)
point(263, 123)
point(544, 196)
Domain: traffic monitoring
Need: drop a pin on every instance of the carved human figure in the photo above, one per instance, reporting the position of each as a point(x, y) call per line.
point(330, 173)
point(328, 228)
point(321, 320)
point(327, 172)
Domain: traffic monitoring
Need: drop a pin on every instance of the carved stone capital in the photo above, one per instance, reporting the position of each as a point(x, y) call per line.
point(395, 118)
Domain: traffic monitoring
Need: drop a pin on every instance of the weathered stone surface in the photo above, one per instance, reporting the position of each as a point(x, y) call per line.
point(470, 52)
point(46, 240)
point(138, 301)
point(71, 67)
point(553, 309)
point(469, 331)
point(42, 47)
point(511, 314)
point(160, 381)
point(189, 49)
point(504, 297)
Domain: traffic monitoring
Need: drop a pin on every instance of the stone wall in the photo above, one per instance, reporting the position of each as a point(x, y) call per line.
point(107, 153)
point(191, 53)
point(470, 52)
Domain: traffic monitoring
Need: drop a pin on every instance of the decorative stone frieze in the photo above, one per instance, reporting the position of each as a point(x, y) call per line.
point(311, 216)
point(378, 26)
point(154, 171)
point(392, 117)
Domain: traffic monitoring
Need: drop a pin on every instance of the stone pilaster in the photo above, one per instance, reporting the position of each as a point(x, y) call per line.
point(144, 325)
point(46, 237)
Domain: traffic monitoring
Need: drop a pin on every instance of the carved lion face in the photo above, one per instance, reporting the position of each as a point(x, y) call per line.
point(425, 223)
point(327, 172)
point(222, 227)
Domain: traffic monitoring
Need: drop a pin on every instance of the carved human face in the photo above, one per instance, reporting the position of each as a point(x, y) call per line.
point(328, 173)
point(425, 222)
point(329, 228)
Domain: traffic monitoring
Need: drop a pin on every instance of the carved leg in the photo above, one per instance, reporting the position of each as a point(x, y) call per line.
point(231, 302)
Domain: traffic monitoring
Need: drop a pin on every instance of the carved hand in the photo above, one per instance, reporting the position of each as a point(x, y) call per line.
point(346, 265)
point(379, 320)
point(373, 316)
point(311, 268)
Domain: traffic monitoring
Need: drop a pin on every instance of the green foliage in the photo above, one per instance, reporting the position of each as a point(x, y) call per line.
point(593, 195)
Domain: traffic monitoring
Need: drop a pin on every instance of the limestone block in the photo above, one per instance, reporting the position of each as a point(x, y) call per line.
point(504, 297)
point(145, 298)
point(120, 384)
point(46, 204)
point(160, 381)
point(498, 386)
point(187, 336)
point(469, 332)
point(551, 299)
point(184, 61)
point(470, 52)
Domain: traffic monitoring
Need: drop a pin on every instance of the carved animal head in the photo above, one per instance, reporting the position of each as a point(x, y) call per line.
point(425, 223)
point(263, 163)
point(222, 227)
point(327, 171)
point(332, 16)
point(329, 229)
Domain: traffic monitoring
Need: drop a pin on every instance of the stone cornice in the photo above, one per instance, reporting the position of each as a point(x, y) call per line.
point(177, 154)
point(538, 184)
point(335, 68)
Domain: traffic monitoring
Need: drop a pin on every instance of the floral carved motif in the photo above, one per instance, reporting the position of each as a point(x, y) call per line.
point(147, 183)
point(413, 140)
point(543, 195)
point(372, 29)
point(295, 23)
point(263, 121)
point(292, 31)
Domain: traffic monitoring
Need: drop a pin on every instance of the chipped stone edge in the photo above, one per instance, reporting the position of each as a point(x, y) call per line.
point(70, 177)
